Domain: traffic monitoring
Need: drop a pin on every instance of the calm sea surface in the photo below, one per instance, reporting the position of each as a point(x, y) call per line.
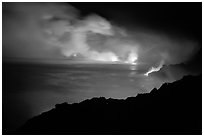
point(30, 89)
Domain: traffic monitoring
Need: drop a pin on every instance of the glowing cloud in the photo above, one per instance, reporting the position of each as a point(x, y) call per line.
point(104, 56)
point(132, 58)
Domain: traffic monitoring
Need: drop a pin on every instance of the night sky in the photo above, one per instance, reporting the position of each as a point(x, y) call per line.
point(178, 19)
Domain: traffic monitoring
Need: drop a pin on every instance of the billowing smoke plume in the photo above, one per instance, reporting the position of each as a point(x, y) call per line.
point(57, 31)
point(52, 30)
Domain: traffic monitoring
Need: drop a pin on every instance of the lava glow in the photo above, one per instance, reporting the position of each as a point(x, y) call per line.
point(110, 57)
point(154, 69)
point(132, 58)
point(104, 56)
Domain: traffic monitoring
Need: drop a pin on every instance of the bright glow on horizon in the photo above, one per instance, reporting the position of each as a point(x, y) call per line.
point(110, 57)
point(132, 58)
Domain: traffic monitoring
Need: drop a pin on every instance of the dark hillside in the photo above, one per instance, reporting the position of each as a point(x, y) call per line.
point(176, 108)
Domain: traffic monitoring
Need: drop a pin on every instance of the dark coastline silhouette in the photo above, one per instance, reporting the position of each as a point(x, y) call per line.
point(175, 108)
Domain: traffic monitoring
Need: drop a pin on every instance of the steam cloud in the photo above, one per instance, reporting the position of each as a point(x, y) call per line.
point(56, 31)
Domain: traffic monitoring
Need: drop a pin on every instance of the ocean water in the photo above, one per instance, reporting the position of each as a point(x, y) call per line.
point(30, 89)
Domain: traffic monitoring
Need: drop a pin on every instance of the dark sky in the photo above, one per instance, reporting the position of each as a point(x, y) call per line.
point(180, 18)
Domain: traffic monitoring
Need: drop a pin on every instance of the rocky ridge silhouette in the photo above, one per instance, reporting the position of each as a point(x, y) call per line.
point(175, 108)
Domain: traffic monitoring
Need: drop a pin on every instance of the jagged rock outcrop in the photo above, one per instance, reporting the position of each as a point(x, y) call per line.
point(176, 108)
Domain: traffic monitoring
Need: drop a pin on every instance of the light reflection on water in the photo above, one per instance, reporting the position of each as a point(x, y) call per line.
point(99, 81)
